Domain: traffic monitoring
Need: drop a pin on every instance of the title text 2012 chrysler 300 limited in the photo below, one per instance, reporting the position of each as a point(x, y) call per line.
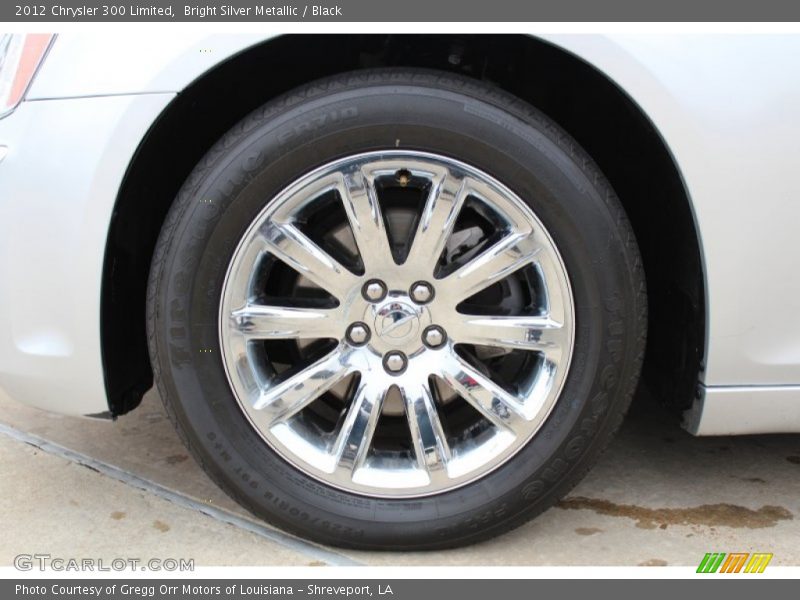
point(398, 291)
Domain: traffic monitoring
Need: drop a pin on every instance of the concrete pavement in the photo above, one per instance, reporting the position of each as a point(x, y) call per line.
point(77, 487)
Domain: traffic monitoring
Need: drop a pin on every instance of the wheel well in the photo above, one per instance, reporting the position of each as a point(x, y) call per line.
point(600, 116)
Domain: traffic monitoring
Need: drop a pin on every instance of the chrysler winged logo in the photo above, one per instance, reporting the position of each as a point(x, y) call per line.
point(396, 321)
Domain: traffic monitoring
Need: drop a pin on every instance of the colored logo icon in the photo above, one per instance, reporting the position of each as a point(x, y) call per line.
point(734, 562)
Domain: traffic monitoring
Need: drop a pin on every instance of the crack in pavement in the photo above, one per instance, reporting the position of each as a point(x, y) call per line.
point(317, 553)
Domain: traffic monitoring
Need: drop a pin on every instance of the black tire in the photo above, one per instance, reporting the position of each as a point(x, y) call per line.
point(449, 115)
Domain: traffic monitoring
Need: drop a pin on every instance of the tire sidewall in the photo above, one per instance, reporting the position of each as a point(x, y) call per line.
point(468, 122)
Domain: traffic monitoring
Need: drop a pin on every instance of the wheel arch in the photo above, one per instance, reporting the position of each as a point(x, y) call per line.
point(570, 91)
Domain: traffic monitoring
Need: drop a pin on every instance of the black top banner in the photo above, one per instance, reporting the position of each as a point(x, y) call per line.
point(441, 11)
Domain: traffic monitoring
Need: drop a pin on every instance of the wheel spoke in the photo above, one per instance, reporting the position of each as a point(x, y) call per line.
point(436, 223)
point(299, 390)
point(291, 246)
point(496, 405)
point(505, 257)
point(540, 334)
point(431, 449)
point(405, 356)
point(262, 322)
point(355, 434)
point(360, 200)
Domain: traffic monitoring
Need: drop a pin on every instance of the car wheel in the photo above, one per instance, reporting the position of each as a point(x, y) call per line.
point(396, 310)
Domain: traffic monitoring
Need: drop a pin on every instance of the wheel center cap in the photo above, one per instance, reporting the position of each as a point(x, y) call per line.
point(396, 322)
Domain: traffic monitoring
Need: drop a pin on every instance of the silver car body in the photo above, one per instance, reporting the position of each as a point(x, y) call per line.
point(725, 106)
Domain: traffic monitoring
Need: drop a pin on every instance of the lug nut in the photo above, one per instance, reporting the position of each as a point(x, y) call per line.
point(421, 292)
point(395, 362)
point(434, 337)
point(374, 290)
point(358, 334)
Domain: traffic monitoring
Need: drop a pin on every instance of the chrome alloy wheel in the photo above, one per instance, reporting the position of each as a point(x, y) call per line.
point(396, 324)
